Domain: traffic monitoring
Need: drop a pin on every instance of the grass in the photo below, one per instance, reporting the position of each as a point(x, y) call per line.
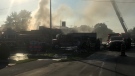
point(51, 55)
point(41, 56)
point(20, 61)
point(71, 59)
point(76, 57)
point(24, 61)
point(33, 58)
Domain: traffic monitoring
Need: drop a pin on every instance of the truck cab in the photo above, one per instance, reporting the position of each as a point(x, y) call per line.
point(115, 43)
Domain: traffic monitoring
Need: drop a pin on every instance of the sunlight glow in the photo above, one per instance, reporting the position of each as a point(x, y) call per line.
point(11, 4)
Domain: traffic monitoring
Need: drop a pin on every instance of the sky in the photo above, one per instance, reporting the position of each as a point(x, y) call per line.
point(78, 12)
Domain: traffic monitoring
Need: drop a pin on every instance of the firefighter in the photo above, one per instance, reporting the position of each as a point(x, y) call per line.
point(123, 48)
point(88, 44)
point(98, 44)
point(78, 43)
point(128, 42)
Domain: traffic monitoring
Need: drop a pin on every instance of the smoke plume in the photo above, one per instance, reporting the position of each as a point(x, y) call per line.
point(92, 13)
point(62, 13)
point(41, 17)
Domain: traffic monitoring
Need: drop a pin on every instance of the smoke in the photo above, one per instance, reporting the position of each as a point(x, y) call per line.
point(103, 12)
point(94, 13)
point(64, 12)
point(91, 14)
point(41, 17)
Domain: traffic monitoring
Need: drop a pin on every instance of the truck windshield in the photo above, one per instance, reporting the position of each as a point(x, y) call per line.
point(116, 38)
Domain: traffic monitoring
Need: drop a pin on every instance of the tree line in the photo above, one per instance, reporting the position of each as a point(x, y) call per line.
point(20, 22)
point(17, 21)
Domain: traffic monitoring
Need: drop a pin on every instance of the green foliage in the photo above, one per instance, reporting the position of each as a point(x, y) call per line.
point(83, 28)
point(18, 21)
point(25, 61)
point(102, 31)
point(132, 31)
point(21, 61)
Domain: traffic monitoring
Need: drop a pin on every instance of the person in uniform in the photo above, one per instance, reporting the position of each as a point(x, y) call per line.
point(128, 42)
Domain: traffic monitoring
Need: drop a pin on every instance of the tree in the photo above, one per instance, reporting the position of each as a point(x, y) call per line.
point(85, 28)
point(18, 21)
point(25, 17)
point(132, 31)
point(102, 31)
point(82, 29)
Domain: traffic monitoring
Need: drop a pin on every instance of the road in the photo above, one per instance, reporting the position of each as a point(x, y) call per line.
point(103, 63)
point(25, 67)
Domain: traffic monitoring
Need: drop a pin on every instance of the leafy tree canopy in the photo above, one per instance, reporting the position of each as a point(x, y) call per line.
point(18, 21)
point(102, 31)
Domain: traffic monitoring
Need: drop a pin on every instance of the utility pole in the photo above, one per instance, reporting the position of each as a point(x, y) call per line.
point(51, 22)
point(50, 15)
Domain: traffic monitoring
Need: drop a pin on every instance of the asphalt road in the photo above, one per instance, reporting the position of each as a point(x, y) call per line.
point(25, 67)
point(104, 63)
point(95, 65)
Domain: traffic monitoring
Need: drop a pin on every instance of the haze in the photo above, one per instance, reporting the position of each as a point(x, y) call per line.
point(74, 12)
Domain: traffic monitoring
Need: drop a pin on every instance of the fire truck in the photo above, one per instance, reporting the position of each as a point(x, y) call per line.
point(113, 34)
point(87, 41)
point(37, 47)
point(126, 36)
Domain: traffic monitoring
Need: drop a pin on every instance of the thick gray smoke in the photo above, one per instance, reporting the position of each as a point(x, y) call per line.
point(64, 12)
point(41, 15)
point(92, 13)
point(101, 11)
